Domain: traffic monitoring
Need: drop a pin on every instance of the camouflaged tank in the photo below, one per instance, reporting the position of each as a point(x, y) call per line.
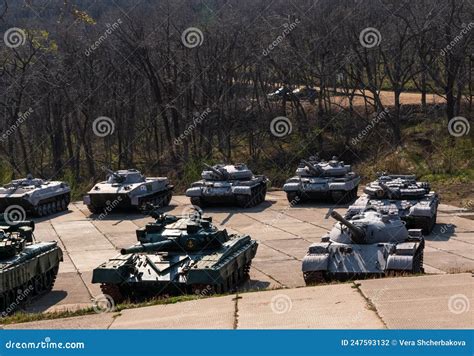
point(369, 244)
point(27, 268)
point(316, 179)
point(176, 255)
point(413, 201)
point(125, 189)
point(36, 196)
point(228, 183)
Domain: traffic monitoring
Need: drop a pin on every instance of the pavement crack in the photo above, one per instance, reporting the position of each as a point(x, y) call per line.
point(369, 304)
point(236, 311)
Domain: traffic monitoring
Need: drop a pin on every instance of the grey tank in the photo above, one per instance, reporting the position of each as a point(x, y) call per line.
point(125, 189)
point(317, 179)
point(228, 183)
point(36, 196)
point(27, 268)
point(368, 244)
point(413, 201)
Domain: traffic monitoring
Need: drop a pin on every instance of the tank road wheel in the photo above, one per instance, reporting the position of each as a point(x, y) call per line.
point(247, 269)
point(113, 290)
point(93, 209)
point(313, 277)
point(427, 225)
point(198, 201)
point(243, 201)
point(294, 198)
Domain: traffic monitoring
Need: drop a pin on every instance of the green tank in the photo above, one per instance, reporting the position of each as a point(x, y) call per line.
point(177, 255)
point(27, 268)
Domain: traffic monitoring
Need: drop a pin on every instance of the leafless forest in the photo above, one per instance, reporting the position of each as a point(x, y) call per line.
point(164, 85)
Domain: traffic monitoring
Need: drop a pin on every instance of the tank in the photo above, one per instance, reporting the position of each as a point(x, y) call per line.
point(320, 180)
point(36, 196)
point(128, 189)
point(228, 183)
point(369, 244)
point(176, 255)
point(27, 268)
point(413, 201)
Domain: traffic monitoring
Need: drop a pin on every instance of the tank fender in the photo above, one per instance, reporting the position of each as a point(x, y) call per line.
point(315, 262)
point(402, 258)
point(242, 190)
point(194, 192)
point(291, 187)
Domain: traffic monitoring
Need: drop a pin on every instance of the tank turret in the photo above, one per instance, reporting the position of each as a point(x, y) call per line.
point(177, 254)
point(357, 233)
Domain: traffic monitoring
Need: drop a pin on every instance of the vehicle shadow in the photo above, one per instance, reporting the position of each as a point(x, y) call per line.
point(49, 217)
point(441, 232)
point(45, 301)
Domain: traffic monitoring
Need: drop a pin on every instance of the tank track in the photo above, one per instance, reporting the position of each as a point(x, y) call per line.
point(417, 267)
point(344, 197)
point(15, 298)
point(60, 203)
point(161, 199)
point(230, 284)
point(256, 197)
point(314, 277)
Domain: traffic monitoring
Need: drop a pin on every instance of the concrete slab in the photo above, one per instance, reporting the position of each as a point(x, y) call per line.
point(209, 313)
point(432, 302)
point(324, 307)
point(286, 272)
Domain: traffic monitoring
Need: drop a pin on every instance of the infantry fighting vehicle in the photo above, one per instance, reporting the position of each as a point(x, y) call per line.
point(36, 196)
point(26, 268)
point(175, 255)
point(126, 189)
point(414, 201)
point(228, 183)
point(369, 244)
point(317, 179)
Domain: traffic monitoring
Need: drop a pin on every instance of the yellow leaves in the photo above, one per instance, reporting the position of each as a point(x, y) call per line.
point(83, 17)
point(40, 39)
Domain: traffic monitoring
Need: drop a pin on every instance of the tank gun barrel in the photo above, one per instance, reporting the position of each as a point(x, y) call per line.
point(358, 234)
point(216, 171)
point(148, 247)
point(392, 193)
point(314, 169)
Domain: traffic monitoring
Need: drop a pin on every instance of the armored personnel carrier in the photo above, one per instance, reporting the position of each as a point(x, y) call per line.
point(26, 268)
point(175, 255)
point(36, 196)
point(125, 189)
point(228, 183)
point(316, 179)
point(414, 201)
point(369, 244)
